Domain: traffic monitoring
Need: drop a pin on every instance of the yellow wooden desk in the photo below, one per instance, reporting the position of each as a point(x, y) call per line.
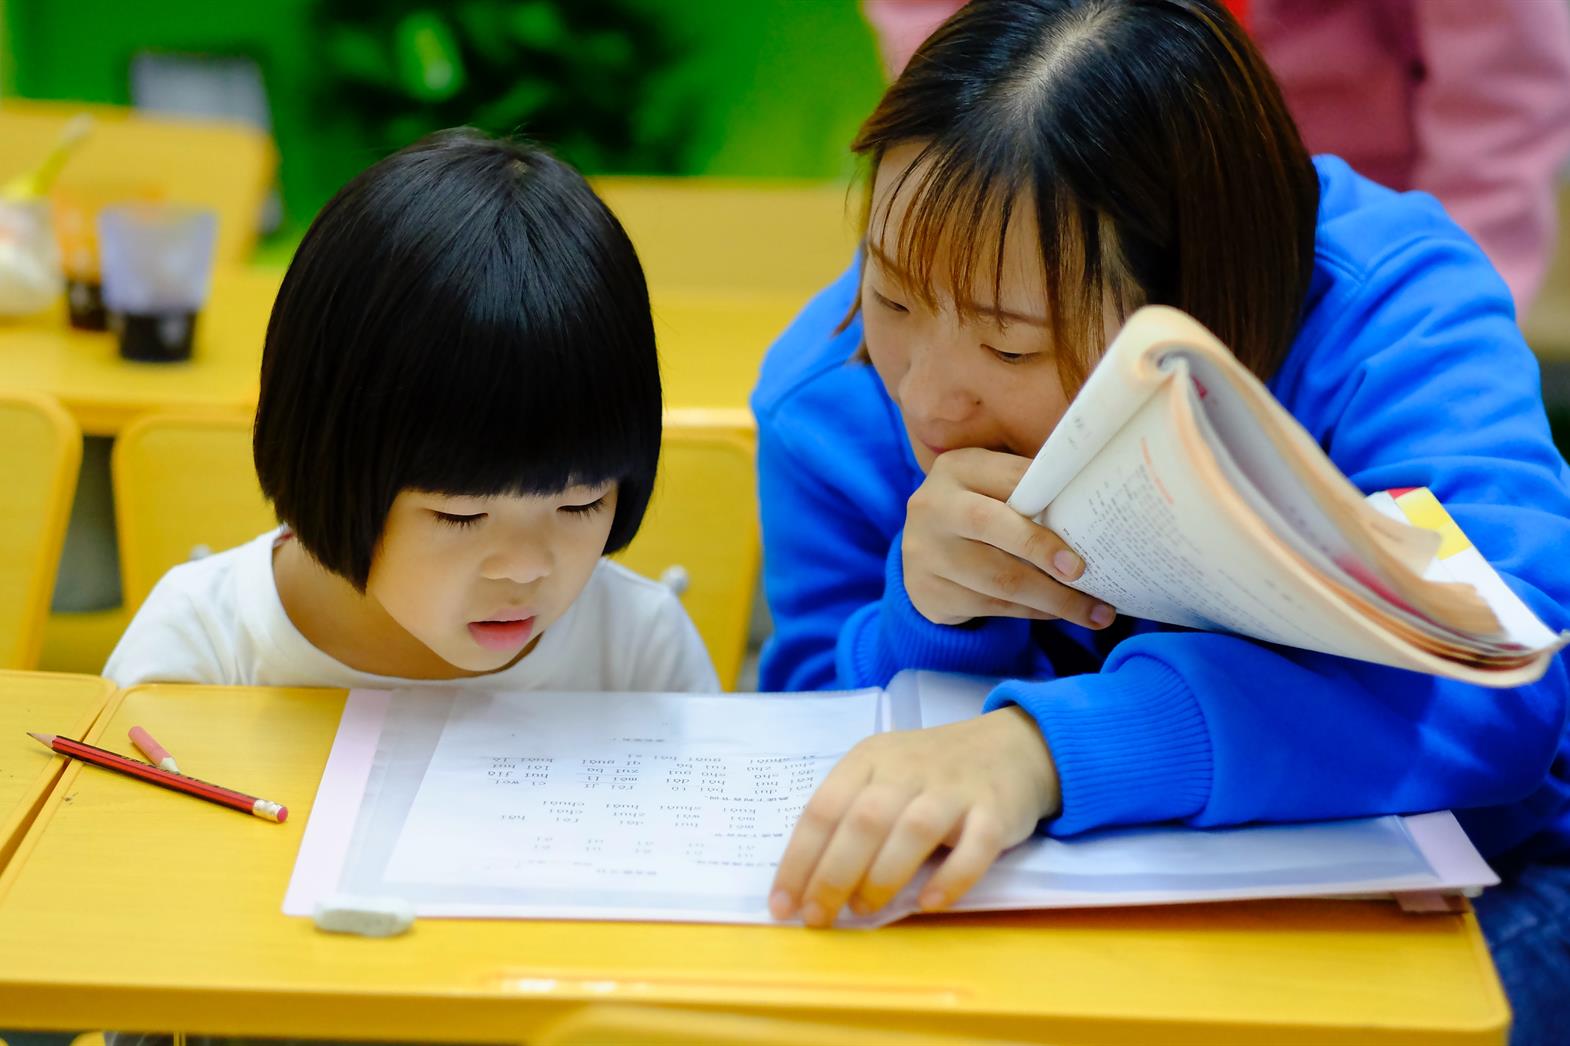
point(130, 907)
point(56, 704)
point(84, 370)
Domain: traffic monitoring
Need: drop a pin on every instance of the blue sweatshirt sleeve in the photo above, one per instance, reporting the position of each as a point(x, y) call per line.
point(1413, 380)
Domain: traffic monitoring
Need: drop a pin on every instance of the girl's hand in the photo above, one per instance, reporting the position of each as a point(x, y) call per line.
point(977, 786)
point(966, 554)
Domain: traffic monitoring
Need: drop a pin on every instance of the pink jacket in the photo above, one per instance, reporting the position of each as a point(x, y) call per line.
point(1466, 99)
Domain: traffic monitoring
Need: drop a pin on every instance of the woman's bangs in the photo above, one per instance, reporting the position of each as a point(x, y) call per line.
point(950, 244)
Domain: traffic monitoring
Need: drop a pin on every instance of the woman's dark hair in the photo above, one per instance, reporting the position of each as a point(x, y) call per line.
point(465, 317)
point(1154, 143)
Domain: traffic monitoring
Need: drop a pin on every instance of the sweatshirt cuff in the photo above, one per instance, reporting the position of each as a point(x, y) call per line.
point(1130, 744)
point(891, 635)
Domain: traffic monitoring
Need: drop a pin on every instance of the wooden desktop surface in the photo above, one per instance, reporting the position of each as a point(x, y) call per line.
point(131, 907)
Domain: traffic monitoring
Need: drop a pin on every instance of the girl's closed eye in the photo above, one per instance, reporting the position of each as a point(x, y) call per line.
point(586, 508)
point(459, 519)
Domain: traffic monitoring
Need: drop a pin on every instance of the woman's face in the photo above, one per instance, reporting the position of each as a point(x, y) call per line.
point(985, 375)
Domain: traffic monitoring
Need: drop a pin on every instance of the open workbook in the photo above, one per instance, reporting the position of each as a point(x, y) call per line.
point(677, 807)
point(1195, 499)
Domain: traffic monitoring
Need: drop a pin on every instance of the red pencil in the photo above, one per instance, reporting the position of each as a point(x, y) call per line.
point(163, 778)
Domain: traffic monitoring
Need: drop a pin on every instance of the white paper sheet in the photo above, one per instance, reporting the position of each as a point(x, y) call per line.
point(676, 807)
point(583, 791)
point(580, 805)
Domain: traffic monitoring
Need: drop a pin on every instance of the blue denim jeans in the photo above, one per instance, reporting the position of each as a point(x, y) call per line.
point(1526, 920)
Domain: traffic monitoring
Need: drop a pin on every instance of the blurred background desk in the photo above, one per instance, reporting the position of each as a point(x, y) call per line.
point(84, 371)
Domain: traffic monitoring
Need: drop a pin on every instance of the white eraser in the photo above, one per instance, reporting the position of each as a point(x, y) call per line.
point(366, 916)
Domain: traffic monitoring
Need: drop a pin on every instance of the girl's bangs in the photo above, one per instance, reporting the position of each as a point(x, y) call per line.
point(523, 407)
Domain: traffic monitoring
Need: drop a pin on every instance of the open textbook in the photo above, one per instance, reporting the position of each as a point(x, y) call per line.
point(677, 807)
point(1195, 499)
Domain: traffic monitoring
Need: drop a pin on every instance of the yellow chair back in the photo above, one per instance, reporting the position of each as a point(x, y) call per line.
point(184, 483)
point(701, 531)
point(227, 166)
point(40, 452)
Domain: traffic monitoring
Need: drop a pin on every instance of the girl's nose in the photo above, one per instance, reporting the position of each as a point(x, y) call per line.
point(520, 560)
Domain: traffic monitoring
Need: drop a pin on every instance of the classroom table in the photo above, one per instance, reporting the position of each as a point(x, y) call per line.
point(84, 371)
point(130, 907)
point(48, 704)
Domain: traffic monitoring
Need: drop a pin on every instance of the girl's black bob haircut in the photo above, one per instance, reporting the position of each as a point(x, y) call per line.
point(466, 317)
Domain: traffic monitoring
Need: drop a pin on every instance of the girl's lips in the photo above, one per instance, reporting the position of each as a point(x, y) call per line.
point(502, 635)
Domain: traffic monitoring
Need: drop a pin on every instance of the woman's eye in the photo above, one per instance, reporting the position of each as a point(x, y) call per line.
point(1009, 357)
point(456, 520)
point(588, 509)
point(889, 303)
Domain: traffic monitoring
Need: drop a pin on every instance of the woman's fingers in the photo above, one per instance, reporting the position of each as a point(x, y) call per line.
point(978, 785)
point(960, 529)
point(981, 841)
point(819, 821)
point(961, 604)
point(991, 522)
point(988, 472)
point(927, 822)
point(860, 835)
point(994, 575)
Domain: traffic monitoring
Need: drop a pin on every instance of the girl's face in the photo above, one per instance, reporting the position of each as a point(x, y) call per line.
point(982, 376)
point(476, 579)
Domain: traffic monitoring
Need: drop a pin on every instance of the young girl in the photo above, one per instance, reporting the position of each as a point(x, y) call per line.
point(1041, 168)
point(459, 416)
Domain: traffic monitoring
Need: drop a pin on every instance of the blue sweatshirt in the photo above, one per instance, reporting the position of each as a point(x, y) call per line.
point(1410, 371)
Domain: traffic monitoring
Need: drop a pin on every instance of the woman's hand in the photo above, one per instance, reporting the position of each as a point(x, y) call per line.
point(977, 786)
point(966, 554)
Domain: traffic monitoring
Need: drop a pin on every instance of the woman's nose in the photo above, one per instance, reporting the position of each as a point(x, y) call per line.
point(933, 386)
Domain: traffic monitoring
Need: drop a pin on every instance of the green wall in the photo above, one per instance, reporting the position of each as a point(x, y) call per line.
point(766, 88)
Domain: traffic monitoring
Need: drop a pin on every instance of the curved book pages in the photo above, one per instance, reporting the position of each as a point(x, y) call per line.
point(1195, 499)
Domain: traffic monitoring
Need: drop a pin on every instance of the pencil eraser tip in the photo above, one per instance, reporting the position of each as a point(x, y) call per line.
point(365, 916)
point(283, 814)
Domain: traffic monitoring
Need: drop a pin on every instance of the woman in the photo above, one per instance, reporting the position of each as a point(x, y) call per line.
point(1041, 168)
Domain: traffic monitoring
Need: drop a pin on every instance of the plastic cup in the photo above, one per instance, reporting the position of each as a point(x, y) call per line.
point(76, 207)
point(157, 262)
point(29, 258)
